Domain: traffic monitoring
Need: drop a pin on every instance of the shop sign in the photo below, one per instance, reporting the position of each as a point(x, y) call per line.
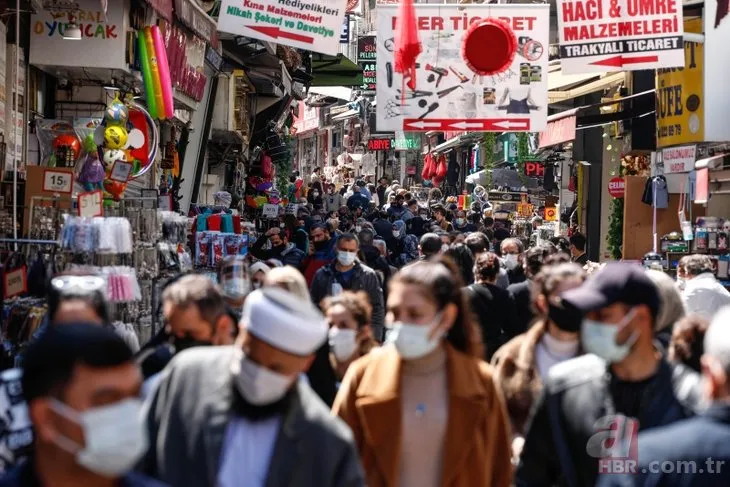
point(57, 181)
point(369, 78)
point(617, 187)
point(367, 49)
point(380, 144)
point(270, 211)
point(305, 24)
point(345, 35)
point(505, 197)
point(679, 159)
point(103, 41)
point(551, 214)
point(354, 6)
point(534, 169)
point(558, 131)
point(680, 108)
point(463, 100)
point(307, 118)
point(607, 35)
point(197, 20)
point(406, 141)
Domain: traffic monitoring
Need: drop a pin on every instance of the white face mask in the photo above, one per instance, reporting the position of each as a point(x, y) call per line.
point(511, 261)
point(346, 258)
point(412, 341)
point(396, 233)
point(358, 228)
point(259, 385)
point(343, 343)
point(600, 338)
point(444, 248)
point(115, 436)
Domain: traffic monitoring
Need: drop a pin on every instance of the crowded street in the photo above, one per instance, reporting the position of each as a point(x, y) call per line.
point(364, 243)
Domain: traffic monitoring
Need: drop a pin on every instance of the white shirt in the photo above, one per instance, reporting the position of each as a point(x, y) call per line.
point(247, 452)
point(551, 351)
point(705, 296)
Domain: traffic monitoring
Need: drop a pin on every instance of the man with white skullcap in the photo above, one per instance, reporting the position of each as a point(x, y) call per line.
point(241, 415)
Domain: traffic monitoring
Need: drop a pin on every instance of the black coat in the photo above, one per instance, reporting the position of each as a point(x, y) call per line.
point(704, 437)
point(495, 312)
point(575, 396)
point(521, 292)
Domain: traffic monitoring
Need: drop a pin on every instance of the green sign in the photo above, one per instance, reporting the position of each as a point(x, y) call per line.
point(407, 141)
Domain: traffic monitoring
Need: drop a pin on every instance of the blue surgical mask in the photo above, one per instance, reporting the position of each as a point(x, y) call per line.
point(600, 338)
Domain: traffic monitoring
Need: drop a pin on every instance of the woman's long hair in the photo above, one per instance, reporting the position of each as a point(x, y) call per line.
point(441, 281)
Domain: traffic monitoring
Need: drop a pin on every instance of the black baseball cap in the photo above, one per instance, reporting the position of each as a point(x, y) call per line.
point(618, 282)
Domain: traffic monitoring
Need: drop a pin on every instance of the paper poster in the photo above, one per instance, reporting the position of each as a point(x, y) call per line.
point(314, 25)
point(679, 159)
point(608, 35)
point(449, 96)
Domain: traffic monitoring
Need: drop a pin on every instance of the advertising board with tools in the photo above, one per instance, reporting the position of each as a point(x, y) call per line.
point(461, 84)
point(619, 35)
point(314, 25)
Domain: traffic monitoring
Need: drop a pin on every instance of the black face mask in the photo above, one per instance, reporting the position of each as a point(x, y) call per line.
point(321, 245)
point(186, 342)
point(566, 318)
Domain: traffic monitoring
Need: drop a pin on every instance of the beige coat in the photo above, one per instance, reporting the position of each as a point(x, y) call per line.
point(515, 371)
point(477, 450)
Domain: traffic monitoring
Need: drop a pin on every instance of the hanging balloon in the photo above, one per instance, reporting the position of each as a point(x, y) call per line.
point(502, 42)
point(153, 142)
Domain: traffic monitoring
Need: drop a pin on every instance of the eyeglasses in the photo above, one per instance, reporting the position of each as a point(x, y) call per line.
point(85, 284)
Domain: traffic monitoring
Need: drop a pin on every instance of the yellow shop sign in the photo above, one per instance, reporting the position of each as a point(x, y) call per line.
point(680, 102)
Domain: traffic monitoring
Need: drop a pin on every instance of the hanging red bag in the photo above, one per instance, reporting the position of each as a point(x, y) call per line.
point(441, 168)
point(428, 168)
point(266, 166)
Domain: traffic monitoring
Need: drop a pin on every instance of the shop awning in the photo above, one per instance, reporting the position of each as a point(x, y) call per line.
point(559, 81)
point(556, 96)
point(456, 142)
point(339, 92)
point(335, 71)
point(346, 115)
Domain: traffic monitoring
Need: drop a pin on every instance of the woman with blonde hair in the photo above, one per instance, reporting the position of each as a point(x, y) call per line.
point(425, 410)
point(289, 279)
point(350, 335)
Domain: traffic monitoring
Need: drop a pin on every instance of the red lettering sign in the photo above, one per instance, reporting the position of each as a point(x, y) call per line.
point(534, 169)
point(379, 144)
point(558, 131)
point(617, 187)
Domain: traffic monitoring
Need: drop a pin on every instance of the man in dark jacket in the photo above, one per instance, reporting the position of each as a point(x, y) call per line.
point(382, 186)
point(372, 258)
point(626, 382)
point(694, 452)
point(280, 249)
point(357, 200)
point(348, 274)
point(534, 257)
point(324, 252)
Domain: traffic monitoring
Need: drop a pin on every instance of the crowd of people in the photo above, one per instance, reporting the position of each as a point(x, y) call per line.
point(381, 342)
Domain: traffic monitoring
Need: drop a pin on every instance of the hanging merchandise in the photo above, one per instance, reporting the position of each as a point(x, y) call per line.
point(155, 72)
point(428, 167)
point(146, 68)
point(59, 145)
point(440, 172)
point(111, 235)
point(164, 69)
point(92, 172)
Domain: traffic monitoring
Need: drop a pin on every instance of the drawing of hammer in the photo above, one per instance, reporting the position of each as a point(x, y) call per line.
point(440, 72)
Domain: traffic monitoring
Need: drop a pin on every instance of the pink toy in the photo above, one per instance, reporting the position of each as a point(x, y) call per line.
point(164, 67)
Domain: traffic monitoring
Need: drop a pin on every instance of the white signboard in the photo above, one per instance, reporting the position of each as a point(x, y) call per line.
point(121, 171)
point(314, 25)
point(57, 181)
point(679, 159)
point(103, 41)
point(449, 96)
point(90, 204)
point(620, 35)
point(270, 211)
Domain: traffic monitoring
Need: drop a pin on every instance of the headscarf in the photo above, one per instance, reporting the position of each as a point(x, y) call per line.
point(400, 226)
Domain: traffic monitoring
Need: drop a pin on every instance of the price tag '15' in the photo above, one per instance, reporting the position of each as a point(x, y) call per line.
point(90, 204)
point(57, 181)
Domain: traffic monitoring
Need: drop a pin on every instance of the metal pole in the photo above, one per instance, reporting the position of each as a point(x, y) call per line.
point(15, 122)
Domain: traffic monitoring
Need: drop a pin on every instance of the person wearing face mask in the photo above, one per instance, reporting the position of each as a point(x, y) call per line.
point(280, 248)
point(347, 273)
point(225, 414)
point(195, 315)
point(522, 363)
point(397, 210)
point(623, 374)
point(512, 250)
point(82, 389)
point(324, 252)
point(78, 299)
point(439, 219)
point(404, 247)
point(258, 271)
point(696, 440)
point(333, 200)
point(461, 224)
point(440, 417)
point(350, 336)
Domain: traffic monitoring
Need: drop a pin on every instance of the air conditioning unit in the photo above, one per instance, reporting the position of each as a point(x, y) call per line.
point(231, 112)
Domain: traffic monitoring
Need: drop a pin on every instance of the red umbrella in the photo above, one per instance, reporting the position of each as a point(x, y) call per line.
point(407, 43)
